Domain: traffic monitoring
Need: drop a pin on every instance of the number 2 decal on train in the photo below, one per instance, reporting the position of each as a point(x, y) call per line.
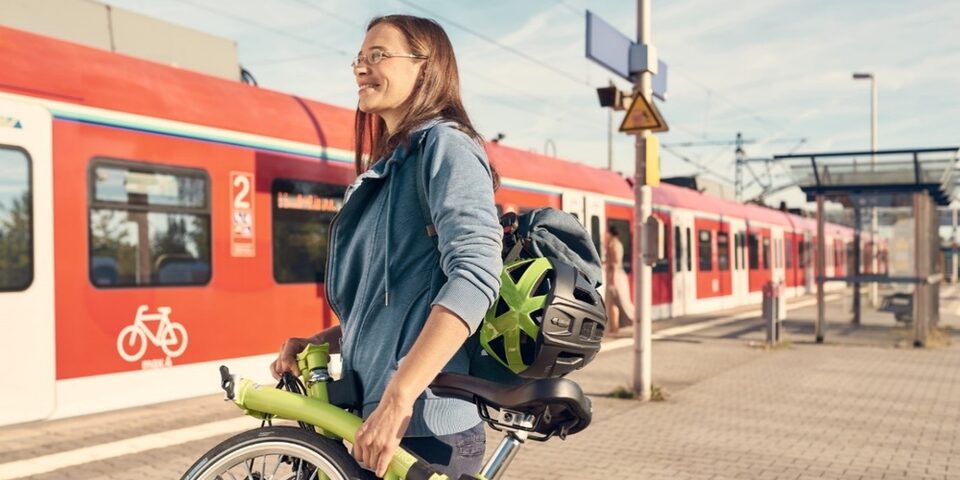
point(242, 234)
point(170, 336)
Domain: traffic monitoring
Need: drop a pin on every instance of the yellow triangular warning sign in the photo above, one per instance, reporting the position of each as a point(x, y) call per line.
point(643, 115)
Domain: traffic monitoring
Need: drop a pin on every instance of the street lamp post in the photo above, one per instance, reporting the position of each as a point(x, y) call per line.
point(874, 227)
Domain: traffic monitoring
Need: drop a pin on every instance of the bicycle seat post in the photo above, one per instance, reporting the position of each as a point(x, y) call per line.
point(504, 454)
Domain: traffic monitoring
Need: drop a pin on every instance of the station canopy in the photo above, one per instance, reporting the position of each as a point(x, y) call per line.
point(883, 178)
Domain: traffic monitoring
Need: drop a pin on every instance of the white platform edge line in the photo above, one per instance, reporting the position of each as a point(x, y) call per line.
point(56, 461)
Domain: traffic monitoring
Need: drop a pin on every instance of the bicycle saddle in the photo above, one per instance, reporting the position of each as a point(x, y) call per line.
point(558, 405)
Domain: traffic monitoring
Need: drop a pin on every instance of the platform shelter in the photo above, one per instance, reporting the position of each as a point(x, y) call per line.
point(901, 188)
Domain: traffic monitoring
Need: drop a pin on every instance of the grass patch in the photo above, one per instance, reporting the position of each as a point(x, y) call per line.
point(657, 393)
point(624, 393)
point(938, 337)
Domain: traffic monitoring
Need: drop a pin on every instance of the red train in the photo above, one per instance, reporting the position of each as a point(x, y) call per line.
point(156, 222)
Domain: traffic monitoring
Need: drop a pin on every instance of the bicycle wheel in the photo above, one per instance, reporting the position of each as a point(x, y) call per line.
point(174, 340)
point(281, 453)
point(131, 337)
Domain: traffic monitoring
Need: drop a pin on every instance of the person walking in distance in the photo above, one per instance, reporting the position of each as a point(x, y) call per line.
point(619, 298)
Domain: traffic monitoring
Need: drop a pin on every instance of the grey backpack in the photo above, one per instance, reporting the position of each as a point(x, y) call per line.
point(548, 232)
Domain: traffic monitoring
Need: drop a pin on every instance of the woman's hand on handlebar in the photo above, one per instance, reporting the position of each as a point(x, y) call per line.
point(287, 359)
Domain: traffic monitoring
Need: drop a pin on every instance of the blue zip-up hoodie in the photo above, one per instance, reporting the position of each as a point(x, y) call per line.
point(385, 273)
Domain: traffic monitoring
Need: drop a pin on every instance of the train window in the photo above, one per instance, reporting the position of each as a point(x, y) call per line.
point(302, 212)
point(663, 265)
point(689, 257)
point(753, 251)
point(677, 250)
point(626, 238)
point(736, 251)
point(801, 253)
point(705, 250)
point(766, 253)
point(723, 251)
point(149, 225)
point(740, 253)
point(789, 252)
point(16, 220)
point(595, 233)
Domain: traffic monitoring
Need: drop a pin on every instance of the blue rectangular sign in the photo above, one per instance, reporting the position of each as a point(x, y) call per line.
point(608, 47)
point(659, 82)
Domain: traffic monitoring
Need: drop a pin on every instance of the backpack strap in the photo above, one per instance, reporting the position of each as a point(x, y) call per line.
point(422, 189)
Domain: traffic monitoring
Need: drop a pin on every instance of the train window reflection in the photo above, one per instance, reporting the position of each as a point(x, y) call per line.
point(738, 251)
point(302, 212)
point(677, 250)
point(723, 251)
point(16, 220)
point(705, 250)
point(753, 251)
point(148, 225)
point(766, 253)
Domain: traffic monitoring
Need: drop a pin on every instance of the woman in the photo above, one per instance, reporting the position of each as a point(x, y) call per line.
point(407, 301)
point(618, 296)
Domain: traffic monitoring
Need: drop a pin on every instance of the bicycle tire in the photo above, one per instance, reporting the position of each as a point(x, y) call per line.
point(330, 456)
point(138, 338)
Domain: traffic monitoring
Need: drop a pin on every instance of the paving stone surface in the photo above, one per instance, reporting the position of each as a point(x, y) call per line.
point(860, 406)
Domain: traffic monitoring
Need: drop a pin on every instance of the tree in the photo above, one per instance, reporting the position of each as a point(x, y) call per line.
point(16, 243)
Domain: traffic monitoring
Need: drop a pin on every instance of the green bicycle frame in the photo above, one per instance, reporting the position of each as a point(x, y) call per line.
point(267, 402)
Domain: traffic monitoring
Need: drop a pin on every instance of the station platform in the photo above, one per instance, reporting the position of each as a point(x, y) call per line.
point(858, 406)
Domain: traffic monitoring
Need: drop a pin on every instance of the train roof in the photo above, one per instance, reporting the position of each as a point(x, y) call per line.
point(46, 67)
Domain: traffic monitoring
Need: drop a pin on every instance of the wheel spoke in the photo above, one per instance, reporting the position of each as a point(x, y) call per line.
point(276, 467)
point(279, 459)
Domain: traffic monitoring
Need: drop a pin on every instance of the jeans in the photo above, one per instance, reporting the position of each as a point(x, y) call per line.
point(453, 454)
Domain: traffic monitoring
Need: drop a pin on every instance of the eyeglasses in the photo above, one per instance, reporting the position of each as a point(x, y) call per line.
point(376, 55)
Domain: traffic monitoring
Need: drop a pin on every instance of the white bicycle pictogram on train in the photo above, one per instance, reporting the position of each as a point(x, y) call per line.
point(170, 336)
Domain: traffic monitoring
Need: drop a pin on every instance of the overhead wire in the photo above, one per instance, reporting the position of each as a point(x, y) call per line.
point(696, 164)
point(494, 42)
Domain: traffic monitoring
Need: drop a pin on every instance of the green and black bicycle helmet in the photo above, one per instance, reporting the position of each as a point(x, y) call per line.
point(547, 321)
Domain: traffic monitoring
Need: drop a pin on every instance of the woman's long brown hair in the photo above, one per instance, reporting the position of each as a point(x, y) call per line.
point(437, 95)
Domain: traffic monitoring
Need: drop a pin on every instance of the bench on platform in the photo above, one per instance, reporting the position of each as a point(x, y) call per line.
point(900, 304)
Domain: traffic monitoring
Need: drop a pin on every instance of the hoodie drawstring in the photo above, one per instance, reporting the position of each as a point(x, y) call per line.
point(386, 243)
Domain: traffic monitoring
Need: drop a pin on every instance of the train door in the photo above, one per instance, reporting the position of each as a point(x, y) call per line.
point(589, 210)
point(776, 267)
point(684, 279)
point(26, 262)
point(573, 204)
point(737, 263)
point(594, 219)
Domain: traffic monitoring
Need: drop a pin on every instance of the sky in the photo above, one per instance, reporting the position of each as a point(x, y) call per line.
point(779, 71)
